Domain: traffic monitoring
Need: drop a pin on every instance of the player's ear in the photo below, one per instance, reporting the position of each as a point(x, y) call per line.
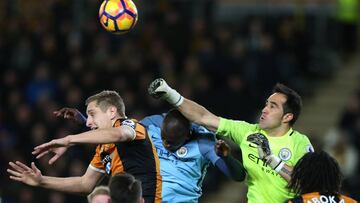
point(288, 117)
point(112, 111)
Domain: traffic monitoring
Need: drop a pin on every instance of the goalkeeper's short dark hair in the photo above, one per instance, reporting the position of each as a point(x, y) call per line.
point(316, 172)
point(293, 102)
point(124, 188)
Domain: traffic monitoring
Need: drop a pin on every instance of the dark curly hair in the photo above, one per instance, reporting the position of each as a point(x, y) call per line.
point(316, 172)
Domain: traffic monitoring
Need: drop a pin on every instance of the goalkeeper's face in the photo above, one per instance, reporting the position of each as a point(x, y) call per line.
point(272, 115)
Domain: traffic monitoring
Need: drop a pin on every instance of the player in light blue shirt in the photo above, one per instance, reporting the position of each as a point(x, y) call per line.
point(185, 151)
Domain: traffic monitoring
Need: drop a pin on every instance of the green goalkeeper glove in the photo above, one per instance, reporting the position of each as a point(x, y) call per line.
point(262, 144)
point(160, 89)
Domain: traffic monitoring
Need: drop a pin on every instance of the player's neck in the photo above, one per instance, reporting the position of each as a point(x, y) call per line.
point(115, 119)
point(278, 132)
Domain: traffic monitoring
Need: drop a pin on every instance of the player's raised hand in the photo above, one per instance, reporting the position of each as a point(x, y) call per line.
point(57, 147)
point(222, 149)
point(160, 89)
point(265, 153)
point(22, 173)
point(262, 143)
point(71, 114)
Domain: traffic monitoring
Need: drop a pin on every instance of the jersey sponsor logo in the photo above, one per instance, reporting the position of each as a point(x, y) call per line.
point(256, 160)
point(106, 160)
point(264, 167)
point(309, 148)
point(285, 154)
point(129, 123)
point(108, 168)
point(182, 152)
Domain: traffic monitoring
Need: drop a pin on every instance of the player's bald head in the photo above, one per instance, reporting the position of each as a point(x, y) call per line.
point(175, 129)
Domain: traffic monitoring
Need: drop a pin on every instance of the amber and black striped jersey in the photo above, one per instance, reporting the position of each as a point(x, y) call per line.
point(137, 157)
point(316, 197)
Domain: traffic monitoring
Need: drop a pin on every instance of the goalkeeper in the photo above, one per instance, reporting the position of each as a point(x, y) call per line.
point(270, 148)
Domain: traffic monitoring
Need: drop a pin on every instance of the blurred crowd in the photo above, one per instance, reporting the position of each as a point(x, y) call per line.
point(54, 54)
point(343, 143)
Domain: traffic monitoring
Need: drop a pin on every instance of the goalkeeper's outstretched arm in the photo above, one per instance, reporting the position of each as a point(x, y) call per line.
point(190, 109)
point(199, 114)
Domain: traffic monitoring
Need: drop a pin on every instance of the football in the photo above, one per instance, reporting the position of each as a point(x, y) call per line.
point(118, 16)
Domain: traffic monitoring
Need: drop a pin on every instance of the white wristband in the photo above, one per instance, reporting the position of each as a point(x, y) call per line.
point(275, 163)
point(279, 167)
point(174, 98)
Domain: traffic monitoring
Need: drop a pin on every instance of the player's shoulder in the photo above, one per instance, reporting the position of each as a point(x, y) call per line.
point(199, 128)
point(153, 120)
point(245, 125)
point(200, 132)
point(299, 136)
point(302, 141)
point(129, 122)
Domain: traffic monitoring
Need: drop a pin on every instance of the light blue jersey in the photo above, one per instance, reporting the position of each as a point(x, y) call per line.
point(184, 170)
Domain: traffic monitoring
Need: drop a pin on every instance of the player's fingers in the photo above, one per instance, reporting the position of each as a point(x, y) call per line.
point(61, 111)
point(14, 173)
point(68, 114)
point(39, 147)
point(16, 167)
point(34, 168)
point(42, 154)
point(23, 166)
point(218, 149)
point(15, 178)
point(36, 151)
point(221, 143)
point(43, 146)
point(53, 159)
point(58, 113)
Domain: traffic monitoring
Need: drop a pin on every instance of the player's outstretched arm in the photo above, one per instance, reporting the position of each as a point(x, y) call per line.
point(191, 110)
point(32, 176)
point(103, 136)
point(99, 136)
point(235, 169)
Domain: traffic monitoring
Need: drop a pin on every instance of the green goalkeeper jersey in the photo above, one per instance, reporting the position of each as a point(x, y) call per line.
point(264, 184)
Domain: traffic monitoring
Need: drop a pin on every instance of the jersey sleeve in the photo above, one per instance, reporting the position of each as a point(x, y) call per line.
point(139, 130)
point(96, 163)
point(206, 141)
point(235, 130)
